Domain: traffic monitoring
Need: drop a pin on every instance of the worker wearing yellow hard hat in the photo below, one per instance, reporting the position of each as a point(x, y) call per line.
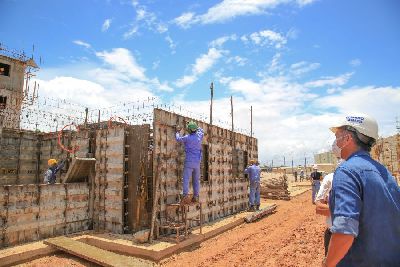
point(54, 167)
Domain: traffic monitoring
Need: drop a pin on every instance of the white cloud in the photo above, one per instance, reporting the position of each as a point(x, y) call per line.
point(106, 25)
point(184, 20)
point(238, 60)
point(303, 67)
point(266, 38)
point(355, 62)
point(379, 102)
point(230, 9)
point(331, 80)
point(132, 31)
point(275, 66)
point(123, 61)
point(222, 40)
point(292, 122)
point(171, 43)
point(202, 64)
point(144, 19)
point(82, 43)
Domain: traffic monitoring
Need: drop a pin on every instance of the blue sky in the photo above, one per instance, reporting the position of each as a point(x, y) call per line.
point(299, 63)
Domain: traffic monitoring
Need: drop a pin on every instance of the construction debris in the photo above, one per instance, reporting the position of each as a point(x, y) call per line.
point(275, 188)
point(260, 213)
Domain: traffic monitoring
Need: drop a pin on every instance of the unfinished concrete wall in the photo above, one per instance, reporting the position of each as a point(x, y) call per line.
point(225, 154)
point(109, 179)
point(387, 151)
point(32, 212)
point(18, 157)
point(138, 178)
point(24, 154)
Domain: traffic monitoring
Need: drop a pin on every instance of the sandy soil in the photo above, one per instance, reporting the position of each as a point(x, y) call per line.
point(59, 260)
point(293, 236)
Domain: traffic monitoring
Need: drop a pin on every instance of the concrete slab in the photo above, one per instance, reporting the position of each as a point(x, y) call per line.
point(23, 253)
point(122, 244)
point(94, 254)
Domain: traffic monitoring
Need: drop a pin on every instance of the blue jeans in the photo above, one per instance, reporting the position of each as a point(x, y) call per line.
point(315, 188)
point(191, 170)
point(254, 197)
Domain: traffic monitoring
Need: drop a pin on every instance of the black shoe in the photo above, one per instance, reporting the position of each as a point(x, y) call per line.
point(257, 207)
point(195, 200)
point(251, 208)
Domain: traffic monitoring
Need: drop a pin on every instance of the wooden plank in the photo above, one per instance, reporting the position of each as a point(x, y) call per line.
point(260, 213)
point(79, 170)
point(94, 254)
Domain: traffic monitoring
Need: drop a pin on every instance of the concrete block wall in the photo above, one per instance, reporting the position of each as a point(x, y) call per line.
point(24, 154)
point(109, 195)
point(387, 151)
point(32, 212)
point(18, 157)
point(225, 191)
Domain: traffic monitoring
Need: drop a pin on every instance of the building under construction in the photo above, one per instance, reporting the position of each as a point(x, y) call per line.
point(119, 176)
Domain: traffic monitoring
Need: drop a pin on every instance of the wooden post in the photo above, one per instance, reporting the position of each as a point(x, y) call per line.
point(232, 113)
point(211, 103)
point(155, 198)
point(251, 121)
point(86, 116)
point(98, 121)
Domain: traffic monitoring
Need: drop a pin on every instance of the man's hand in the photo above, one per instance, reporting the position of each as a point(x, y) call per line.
point(178, 128)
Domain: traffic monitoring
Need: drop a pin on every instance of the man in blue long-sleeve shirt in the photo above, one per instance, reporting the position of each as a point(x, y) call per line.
point(364, 201)
point(254, 173)
point(193, 151)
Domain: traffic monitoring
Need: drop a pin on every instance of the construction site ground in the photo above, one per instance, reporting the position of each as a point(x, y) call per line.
point(292, 236)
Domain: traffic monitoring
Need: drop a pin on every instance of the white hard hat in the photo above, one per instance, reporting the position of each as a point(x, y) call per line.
point(364, 124)
point(315, 167)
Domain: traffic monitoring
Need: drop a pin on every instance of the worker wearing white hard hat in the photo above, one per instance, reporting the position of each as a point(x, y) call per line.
point(364, 201)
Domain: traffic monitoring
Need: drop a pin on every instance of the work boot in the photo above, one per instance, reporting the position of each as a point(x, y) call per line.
point(195, 199)
point(251, 208)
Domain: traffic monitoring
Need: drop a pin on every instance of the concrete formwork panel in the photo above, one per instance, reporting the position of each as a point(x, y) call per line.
point(32, 212)
point(18, 153)
point(110, 160)
point(223, 184)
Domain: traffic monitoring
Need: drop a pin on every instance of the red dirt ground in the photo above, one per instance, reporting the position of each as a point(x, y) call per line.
point(293, 236)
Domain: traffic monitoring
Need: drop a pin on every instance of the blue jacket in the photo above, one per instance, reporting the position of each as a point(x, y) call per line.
point(254, 173)
point(365, 202)
point(192, 144)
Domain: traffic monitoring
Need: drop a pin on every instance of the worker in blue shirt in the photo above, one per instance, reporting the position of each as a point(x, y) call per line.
point(254, 173)
point(193, 153)
point(364, 201)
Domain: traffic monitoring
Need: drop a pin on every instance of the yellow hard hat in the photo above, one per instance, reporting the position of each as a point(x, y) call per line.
point(51, 162)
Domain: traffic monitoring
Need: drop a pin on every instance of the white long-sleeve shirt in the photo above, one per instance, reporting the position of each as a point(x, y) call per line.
point(323, 193)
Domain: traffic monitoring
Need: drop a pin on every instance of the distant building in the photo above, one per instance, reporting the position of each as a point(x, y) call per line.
point(12, 74)
point(325, 158)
